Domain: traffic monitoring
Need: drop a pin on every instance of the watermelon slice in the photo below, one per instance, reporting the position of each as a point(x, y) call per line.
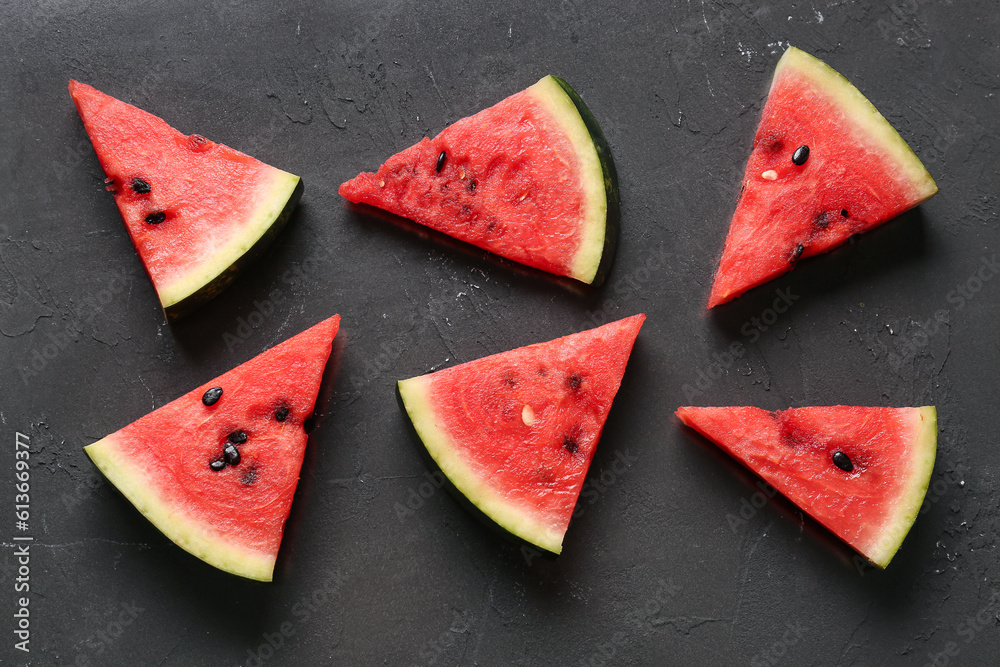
point(216, 469)
point(825, 165)
point(197, 211)
point(861, 472)
point(515, 432)
point(530, 179)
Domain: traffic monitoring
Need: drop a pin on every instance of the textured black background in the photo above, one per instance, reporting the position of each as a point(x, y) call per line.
point(659, 568)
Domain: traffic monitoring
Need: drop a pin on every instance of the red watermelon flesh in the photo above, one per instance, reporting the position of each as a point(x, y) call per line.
point(515, 432)
point(872, 504)
point(858, 174)
point(196, 210)
point(530, 179)
point(231, 518)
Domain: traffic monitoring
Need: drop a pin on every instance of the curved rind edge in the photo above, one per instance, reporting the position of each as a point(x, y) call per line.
point(267, 221)
point(185, 533)
point(924, 454)
point(414, 394)
point(863, 114)
point(597, 249)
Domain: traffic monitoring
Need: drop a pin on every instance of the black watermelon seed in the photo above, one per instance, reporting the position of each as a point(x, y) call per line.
point(441, 158)
point(156, 218)
point(843, 461)
point(821, 220)
point(140, 186)
point(570, 443)
point(574, 381)
point(472, 186)
point(217, 464)
point(797, 253)
point(231, 454)
point(800, 155)
point(237, 437)
point(843, 212)
point(281, 414)
point(212, 396)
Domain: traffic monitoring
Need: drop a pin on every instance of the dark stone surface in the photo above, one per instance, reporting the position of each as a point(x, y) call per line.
point(655, 569)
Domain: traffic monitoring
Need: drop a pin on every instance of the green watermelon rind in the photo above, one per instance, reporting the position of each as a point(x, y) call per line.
point(863, 116)
point(600, 221)
point(277, 200)
point(924, 448)
point(415, 394)
point(921, 453)
point(131, 480)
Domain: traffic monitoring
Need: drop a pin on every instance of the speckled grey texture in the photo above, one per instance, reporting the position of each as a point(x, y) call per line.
point(676, 556)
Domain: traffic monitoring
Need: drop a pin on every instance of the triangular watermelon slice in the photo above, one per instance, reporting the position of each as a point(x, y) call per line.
point(515, 432)
point(861, 472)
point(197, 211)
point(530, 178)
point(216, 471)
point(825, 165)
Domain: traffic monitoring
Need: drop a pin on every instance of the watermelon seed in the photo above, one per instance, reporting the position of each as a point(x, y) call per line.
point(441, 158)
point(770, 175)
point(822, 220)
point(231, 453)
point(800, 155)
point(843, 461)
point(843, 212)
point(140, 186)
point(281, 414)
point(796, 253)
point(156, 218)
point(472, 186)
point(574, 381)
point(527, 415)
point(237, 437)
point(217, 464)
point(212, 396)
point(570, 443)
